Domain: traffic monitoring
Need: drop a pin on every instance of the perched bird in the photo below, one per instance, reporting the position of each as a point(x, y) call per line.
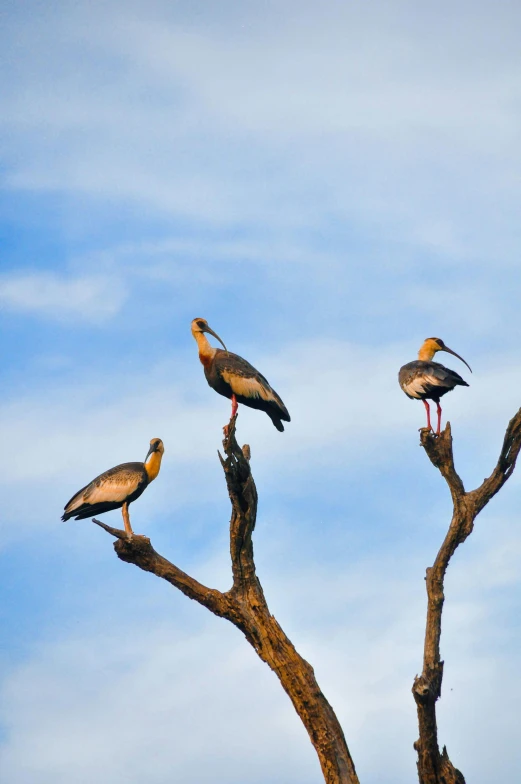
point(233, 377)
point(116, 488)
point(427, 380)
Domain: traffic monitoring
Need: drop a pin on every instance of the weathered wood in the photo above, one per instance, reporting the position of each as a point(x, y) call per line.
point(245, 606)
point(435, 767)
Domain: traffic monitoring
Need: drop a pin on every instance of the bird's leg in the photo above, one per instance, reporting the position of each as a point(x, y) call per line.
point(126, 520)
point(235, 406)
point(428, 409)
point(438, 408)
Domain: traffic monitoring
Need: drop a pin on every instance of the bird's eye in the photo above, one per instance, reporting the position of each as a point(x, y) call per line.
point(201, 324)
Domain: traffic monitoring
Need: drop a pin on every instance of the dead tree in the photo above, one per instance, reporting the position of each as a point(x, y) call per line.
point(245, 606)
point(435, 767)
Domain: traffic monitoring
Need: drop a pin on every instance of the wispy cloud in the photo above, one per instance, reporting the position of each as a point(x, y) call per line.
point(62, 298)
point(362, 120)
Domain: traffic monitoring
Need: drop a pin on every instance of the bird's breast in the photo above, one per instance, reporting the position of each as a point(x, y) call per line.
point(205, 360)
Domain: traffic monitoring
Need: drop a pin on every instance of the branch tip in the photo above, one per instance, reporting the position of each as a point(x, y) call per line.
point(117, 532)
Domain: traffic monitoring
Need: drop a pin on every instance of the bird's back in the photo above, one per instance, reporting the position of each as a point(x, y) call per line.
point(225, 361)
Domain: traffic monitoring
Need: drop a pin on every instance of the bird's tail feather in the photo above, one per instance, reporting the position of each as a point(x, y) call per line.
point(278, 424)
point(89, 510)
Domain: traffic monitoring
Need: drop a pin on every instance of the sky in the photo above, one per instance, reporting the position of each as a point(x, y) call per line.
point(327, 184)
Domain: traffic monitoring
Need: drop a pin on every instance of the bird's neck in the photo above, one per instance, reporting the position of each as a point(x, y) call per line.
point(206, 351)
point(426, 353)
point(153, 465)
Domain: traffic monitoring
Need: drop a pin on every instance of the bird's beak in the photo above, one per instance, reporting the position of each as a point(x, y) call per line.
point(150, 452)
point(450, 351)
point(210, 330)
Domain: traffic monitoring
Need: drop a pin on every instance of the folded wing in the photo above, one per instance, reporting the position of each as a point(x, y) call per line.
point(108, 491)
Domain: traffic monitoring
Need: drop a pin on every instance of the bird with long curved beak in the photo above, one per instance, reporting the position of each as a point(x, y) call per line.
point(234, 377)
point(425, 380)
point(116, 488)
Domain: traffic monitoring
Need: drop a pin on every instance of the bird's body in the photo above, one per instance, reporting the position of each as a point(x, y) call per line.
point(234, 378)
point(425, 380)
point(108, 491)
point(422, 380)
point(116, 488)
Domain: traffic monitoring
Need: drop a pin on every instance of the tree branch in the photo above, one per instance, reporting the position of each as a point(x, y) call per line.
point(505, 465)
point(435, 767)
point(139, 551)
point(245, 606)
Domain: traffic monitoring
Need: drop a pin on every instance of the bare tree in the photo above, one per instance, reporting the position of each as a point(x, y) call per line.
point(435, 767)
point(245, 606)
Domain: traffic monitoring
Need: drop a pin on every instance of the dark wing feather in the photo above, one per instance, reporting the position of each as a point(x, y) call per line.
point(225, 360)
point(109, 490)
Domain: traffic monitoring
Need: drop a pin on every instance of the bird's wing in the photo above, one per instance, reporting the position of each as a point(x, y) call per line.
point(419, 378)
point(244, 379)
point(116, 484)
point(445, 376)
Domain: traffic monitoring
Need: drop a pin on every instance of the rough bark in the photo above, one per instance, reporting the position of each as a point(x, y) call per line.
point(245, 606)
point(435, 767)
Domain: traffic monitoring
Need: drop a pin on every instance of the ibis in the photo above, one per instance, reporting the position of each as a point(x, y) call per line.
point(425, 380)
point(234, 377)
point(116, 488)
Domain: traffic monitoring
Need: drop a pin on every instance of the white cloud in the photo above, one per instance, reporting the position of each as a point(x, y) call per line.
point(352, 117)
point(200, 705)
point(84, 298)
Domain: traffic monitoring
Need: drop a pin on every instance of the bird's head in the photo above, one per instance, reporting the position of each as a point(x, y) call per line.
point(432, 345)
point(156, 445)
point(200, 325)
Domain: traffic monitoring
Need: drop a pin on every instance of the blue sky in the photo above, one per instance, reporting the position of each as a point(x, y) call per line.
point(327, 184)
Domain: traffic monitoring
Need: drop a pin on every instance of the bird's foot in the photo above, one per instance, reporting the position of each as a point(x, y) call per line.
point(133, 536)
point(226, 428)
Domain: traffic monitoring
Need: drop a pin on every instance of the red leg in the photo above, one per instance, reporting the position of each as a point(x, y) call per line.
point(438, 408)
point(235, 406)
point(428, 409)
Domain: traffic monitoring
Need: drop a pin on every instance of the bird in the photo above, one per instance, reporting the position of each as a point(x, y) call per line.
point(234, 377)
point(425, 380)
point(116, 488)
